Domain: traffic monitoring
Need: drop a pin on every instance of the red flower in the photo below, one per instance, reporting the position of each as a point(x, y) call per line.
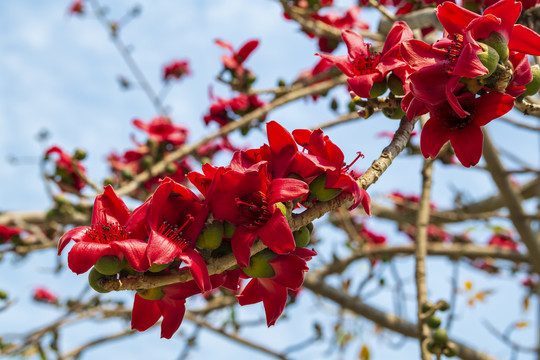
point(223, 111)
point(65, 175)
point(109, 234)
point(76, 8)
point(147, 312)
point(161, 129)
point(176, 70)
point(364, 67)
point(176, 217)
point(6, 232)
point(329, 158)
point(272, 291)
point(504, 241)
point(248, 200)
point(236, 59)
point(464, 133)
point(43, 295)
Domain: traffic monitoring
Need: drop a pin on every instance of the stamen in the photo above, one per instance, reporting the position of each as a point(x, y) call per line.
point(254, 210)
point(453, 53)
point(347, 167)
point(174, 232)
point(106, 233)
point(367, 64)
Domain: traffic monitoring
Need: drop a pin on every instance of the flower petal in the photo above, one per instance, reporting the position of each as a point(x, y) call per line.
point(83, 255)
point(145, 313)
point(197, 267)
point(432, 138)
point(467, 144)
point(276, 234)
point(173, 313)
point(241, 243)
point(286, 189)
point(77, 234)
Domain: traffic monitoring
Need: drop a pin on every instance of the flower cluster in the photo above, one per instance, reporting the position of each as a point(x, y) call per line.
point(224, 111)
point(463, 81)
point(67, 170)
point(176, 230)
point(240, 78)
point(176, 70)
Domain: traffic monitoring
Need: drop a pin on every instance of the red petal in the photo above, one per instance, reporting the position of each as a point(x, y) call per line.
point(108, 208)
point(342, 62)
point(224, 44)
point(241, 243)
point(276, 234)
point(274, 298)
point(173, 313)
point(454, 18)
point(468, 64)
point(246, 50)
point(361, 85)
point(135, 252)
point(524, 40)
point(432, 138)
point(418, 54)
point(197, 267)
point(83, 255)
point(355, 44)
point(289, 270)
point(77, 234)
point(467, 144)
point(286, 189)
point(399, 32)
point(160, 250)
point(491, 106)
point(508, 11)
point(250, 294)
point(145, 313)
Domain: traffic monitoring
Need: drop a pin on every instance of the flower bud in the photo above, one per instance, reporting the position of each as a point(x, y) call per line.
point(534, 85)
point(259, 266)
point(302, 237)
point(450, 350)
point(497, 42)
point(433, 322)
point(151, 294)
point(395, 85)
point(334, 104)
point(211, 237)
point(378, 89)
point(393, 113)
point(489, 58)
point(79, 154)
point(228, 229)
point(317, 188)
point(171, 168)
point(127, 174)
point(109, 265)
point(3, 295)
point(440, 336)
point(93, 280)
point(146, 162)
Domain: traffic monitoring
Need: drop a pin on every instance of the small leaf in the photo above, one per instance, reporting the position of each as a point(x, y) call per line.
point(364, 354)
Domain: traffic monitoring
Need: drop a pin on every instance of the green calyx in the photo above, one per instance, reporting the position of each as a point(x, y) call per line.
point(155, 268)
point(109, 265)
point(228, 229)
point(433, 322)
point(210, 238)
point(151, 294)
point(93, 280)
point(302, 237)
point(440, 336)
point(489, 58)
point(259, 266)
point(378, 89)
point(533, 86)
point(318, 189)
point(393, 113)
point(395, 85)
point(497, 42)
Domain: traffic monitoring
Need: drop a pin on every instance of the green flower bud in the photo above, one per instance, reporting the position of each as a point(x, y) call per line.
point(334, 104)
point(444, 306)
point(440, 336)
point(211, 237)
point(93, 280)
point(146, 162)
point(228, 229)
point(450, 350)
point(108, 181)
point(79, 154)
point(317, 188)
point(171, 168)
point(155, 268)
point(534, 85)
point(433, 322)
point(109, 265)
point(126, 174)
point(426, 307)
point(497, 42)
point(151, 294)
point(489, 58)
point(3, 295)
point(301, 237)
point(395, 85)
point(472, 6)
point(310, 227)
point(259, 266)
point(378, 89)
point(393, 113)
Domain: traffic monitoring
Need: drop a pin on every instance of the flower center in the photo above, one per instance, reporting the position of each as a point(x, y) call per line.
point(106, 233)
point(366, 65)
point(174, 232)
point(254, 210)
point(451, 121)
point(452, 53)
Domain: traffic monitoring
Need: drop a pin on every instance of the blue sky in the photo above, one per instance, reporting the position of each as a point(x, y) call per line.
point(58, 73)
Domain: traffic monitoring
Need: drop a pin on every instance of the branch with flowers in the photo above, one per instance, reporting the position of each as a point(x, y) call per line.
point(249, 229)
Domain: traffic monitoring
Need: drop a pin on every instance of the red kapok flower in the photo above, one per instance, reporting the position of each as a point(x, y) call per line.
point(248, 200)
point(43, 295)
point(176, 70)
point(176, 217)
point(364, 67)
point(65, 175)
point(76, 8)
point(464, 133)
point(236, 59)
point(6, 232)
point(109, 234)
point(503, 240)
point(272, 291)
point(161, 129)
